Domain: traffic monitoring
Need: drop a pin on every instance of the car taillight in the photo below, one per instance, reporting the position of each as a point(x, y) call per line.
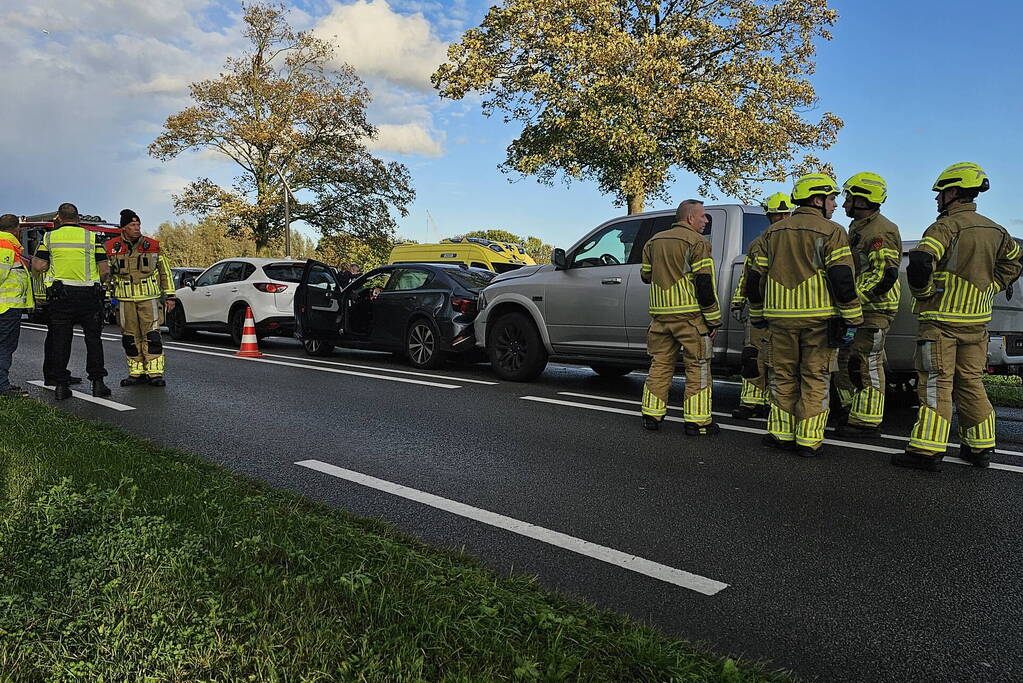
point(463, 304)
point(270, 287)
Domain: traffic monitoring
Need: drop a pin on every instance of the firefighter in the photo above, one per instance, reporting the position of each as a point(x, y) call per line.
point(144, 288)
point(15, 297)
point(954, 272)
point(684, 306)
point(78, 266)
point(877, 250)
point(755, 399)
point(801, 284)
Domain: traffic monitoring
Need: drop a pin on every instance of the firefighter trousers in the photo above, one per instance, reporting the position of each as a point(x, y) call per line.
point(950, 361)
point(666, 336)
point(799, 378)
point(756, 347)
point(140, 336)
point(860, 380)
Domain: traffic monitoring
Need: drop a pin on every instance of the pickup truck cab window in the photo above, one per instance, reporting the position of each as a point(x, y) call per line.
point(611, 246)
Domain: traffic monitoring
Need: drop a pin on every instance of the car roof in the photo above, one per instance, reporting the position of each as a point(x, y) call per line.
point(261, 261)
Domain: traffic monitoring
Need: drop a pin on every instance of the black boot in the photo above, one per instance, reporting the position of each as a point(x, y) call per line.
point(134, 380)
point(53, 382)
point(848, 431)
point(806, 451)
point(709, 429)
point(917, 461)
point(771, 441)
point(157, 381)
point(651, 423)
point(743, 412)
point(981, 458)
point(61, 391)
point(100, 389)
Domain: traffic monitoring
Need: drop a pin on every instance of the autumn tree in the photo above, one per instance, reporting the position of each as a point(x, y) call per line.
point(202, 244)
point(281, 109)
point(623, 92)
point(367, 254)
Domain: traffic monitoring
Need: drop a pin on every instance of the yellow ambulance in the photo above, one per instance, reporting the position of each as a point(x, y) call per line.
point(474, 252)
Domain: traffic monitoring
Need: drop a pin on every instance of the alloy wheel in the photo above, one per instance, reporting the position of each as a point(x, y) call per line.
point(511, 348)
point(421, 344)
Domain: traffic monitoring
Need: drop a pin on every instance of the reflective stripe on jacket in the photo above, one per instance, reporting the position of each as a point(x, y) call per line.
point(15, 285)
point(72, 254)
point(138, 270)
point(671, 261)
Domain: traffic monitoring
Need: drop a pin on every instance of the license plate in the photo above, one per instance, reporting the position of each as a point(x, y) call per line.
point(1014, 344)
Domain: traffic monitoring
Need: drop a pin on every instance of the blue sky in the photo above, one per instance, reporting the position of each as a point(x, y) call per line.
point(920, 85)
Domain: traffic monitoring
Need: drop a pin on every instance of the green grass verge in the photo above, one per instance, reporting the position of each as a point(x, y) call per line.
point(120, 560)
point(1005, 390)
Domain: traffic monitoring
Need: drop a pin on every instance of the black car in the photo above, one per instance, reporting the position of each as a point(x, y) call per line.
point(180, 274)
point(423, 311)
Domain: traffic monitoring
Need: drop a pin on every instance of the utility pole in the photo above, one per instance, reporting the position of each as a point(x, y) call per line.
point(287, 214)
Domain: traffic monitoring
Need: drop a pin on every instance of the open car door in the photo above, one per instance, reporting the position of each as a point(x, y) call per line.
point(317, 309)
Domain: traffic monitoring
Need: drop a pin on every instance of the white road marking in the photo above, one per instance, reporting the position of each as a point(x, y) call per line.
point(893, 437)
point(106, 403)
point(222, 354)
point(752, 430)
point(661, 572)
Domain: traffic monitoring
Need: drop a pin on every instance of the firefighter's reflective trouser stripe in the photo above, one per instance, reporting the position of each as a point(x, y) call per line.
point(861, 379)
point(754, 391)
point(140, 336)
point(950, 361)
point(799, 377)
point(664, 339)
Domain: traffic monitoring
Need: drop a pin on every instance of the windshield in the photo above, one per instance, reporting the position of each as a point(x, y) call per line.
point(285, 272)
point(471, 279)
point(505, 267)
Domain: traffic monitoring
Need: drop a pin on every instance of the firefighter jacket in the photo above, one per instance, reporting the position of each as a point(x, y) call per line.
point(877, 251)
point(73, 255)
point(803, 270)
point(15, 285)
point(137, 269)
point(678, 266)
point(958, 266)
point(739, 295)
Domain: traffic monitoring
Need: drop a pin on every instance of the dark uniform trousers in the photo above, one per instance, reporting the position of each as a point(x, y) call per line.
point(78, 306)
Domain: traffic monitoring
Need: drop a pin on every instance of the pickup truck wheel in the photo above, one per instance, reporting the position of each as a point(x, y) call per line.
point(611, 370)
point(176, 324)
point(317, 347)
point(516, 350)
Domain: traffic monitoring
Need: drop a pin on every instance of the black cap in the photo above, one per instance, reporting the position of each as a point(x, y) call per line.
point(127, 216)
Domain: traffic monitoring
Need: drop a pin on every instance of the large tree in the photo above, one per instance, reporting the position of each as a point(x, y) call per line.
point(281, 108)
point(624, 91)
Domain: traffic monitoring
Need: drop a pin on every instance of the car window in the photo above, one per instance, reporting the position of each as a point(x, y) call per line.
point(472, 280)
point(372, 285)
point(284, 272)
point(210, 276)
point(505, 267)
point(610, 246)
point(233, 272)
point(406, 278)
point(477, 264)
point(753, 225)
point(320, 277)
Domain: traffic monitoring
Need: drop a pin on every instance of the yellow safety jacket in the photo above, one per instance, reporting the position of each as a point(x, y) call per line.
point(975, 258)
point(755, 247)
point(876, 248)
point(138, 271)
point(793, 262)
point(15, 284)
point(675, 262)
point(73, 254)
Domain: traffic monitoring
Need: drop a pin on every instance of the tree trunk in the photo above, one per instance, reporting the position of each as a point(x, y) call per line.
point(636, 202)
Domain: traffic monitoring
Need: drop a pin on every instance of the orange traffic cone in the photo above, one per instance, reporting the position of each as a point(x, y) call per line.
point(250, 345)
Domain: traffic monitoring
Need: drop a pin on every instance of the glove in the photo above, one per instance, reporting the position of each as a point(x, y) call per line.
point(737, 312)
point(847, 337)
point(759, 323)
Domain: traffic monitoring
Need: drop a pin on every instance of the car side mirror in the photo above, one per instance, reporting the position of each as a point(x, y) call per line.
point(559, 259)
point(190, 283)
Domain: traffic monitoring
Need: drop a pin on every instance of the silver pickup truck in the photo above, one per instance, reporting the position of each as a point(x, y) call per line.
point(590, 305)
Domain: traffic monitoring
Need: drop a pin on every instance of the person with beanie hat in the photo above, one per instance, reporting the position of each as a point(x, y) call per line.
point(144, 288)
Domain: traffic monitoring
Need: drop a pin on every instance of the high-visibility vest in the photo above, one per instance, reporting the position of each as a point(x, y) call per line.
point(73, 251)
point(15, 286)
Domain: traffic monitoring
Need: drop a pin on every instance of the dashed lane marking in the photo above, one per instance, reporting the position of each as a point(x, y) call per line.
point(752, 430)
point(337, 371)
point(106, 403)
point(678, 577)
point(893, 437)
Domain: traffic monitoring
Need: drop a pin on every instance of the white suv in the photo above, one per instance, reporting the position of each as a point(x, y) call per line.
point(216, 300)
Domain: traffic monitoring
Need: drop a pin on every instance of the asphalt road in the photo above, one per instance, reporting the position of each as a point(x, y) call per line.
point(840, 567)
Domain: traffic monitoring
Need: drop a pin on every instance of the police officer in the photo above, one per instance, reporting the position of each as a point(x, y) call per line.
point(801, 284)
point(144, 287)
point(78, 265)
point(15, 297)
point(954, 272)
point(877, 250)
point(684, 306)
point(755, 399)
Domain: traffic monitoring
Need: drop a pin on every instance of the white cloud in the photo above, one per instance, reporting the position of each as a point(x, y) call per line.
point(405, 138)
point(377, 41)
